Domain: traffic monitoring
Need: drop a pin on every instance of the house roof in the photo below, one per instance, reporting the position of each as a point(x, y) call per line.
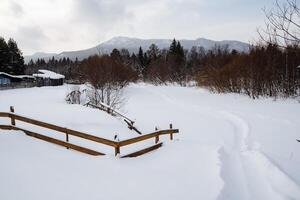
point(16, 76)
point(48, 74)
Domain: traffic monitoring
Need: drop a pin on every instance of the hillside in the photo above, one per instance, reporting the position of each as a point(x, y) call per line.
point(132, 44)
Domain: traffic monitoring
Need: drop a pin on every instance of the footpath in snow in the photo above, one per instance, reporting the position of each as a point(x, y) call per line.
point(229, 147)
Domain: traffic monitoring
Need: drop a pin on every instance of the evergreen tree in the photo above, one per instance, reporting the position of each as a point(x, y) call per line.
point(179, 53)
point(16, 60)
point(176, 62)
point(30, 63)
point(134, 62)
point(173, 47)
point(64, 61)
point(4, 55)
point(52, 61)
point(116, 55)
point(179, 49)
point(153, 52)
point(146, 59)
point(141, 57)
point(125, 54)
point(76, 61)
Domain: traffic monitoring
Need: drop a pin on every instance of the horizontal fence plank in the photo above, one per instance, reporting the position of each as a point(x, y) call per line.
point(143, 151)
point(137, 139)
point(147, 136)
point(4, 114)
point(6, 127)
point(64, 130)
point(169, 131)
point(58, 142)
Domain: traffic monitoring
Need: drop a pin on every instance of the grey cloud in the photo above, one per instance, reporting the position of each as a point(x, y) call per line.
point(17, 9)
point(99, 12)
point(85, 23)
point(31, 37)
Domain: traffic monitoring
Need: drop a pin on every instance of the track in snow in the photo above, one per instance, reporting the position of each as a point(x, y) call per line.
point(247, 173)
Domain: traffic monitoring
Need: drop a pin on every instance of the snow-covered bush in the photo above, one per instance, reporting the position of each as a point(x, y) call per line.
point(75, 95)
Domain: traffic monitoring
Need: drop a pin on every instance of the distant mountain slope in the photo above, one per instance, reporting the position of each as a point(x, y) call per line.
point(37, 55)
point(132, 44)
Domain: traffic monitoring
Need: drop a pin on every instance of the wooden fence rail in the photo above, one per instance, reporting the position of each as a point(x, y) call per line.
point(115, 144)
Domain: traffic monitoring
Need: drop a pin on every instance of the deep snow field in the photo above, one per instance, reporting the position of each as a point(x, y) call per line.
point(229, 147)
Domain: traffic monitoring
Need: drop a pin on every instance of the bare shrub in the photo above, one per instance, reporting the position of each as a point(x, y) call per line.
point(107, 78)
point(267, 70)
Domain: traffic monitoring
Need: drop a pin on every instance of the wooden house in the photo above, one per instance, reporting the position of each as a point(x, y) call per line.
point(48, 78)
point(8, 79)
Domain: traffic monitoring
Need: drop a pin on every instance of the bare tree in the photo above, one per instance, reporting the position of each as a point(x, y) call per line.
point(282, 24)
point(106, 77)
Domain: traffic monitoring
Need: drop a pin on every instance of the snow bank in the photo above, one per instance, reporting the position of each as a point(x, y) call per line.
point(229, 147)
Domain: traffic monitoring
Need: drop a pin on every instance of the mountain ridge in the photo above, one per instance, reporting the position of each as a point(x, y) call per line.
point(132, 44)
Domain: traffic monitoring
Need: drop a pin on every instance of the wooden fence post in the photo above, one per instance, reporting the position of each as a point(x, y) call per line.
point(171, 135)
point(13, 121)
point(117, 150)
point(67, 137)
point(156, 139)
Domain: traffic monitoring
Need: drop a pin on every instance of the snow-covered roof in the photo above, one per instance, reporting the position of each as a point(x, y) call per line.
point(48, 74)
point(16, 76)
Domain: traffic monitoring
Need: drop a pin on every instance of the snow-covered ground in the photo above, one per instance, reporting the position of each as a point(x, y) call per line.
point(229, 147)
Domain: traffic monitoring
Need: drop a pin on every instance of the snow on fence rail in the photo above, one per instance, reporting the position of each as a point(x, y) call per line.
point(116, 145)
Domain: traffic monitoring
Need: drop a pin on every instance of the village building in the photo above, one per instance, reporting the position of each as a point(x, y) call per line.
point(42, 78)
point(8, 79)
point(48, 78)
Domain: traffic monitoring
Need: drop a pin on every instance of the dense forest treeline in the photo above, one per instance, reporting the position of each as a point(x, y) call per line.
point(64, 66)
point(266, 70)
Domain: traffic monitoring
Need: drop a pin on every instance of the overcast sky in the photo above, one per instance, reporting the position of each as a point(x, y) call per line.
point(58, 25)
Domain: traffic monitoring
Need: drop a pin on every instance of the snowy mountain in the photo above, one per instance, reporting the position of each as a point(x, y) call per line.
point(37, 55)
point(132, 44)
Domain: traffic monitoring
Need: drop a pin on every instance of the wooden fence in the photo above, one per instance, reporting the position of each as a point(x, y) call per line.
point(17, 85)
point(115, 144)
point(40, 82)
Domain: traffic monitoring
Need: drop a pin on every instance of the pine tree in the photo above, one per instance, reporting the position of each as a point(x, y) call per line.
point(116, 55)
point(179, 49)
point(153, 52)
point(141, 57)
point(176, 61)
point(173, 47)
point(52, 61)
point(179, 53)
point(64, 61)
point(30, 63)
point(16, 60)
point(76, 61)
point(4, 55)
